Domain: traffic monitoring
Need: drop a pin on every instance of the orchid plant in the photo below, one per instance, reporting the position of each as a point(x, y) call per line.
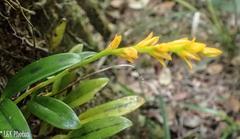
point(39, 89)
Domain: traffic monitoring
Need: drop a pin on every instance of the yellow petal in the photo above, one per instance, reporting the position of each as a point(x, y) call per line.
point(161, 61)
point(131, 60)
point(129, 54)
point(190, 55)
point(178, 45)
point(148, 42)
point(153, 41)
point(182, 40)
point(162, 55)
point(150, 35)
point(188, 62)
point(115, 42)
point(163, 47)
point(211, 52)
point(146, 39)
point(196, 47)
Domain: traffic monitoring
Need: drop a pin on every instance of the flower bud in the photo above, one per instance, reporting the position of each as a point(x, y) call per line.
point(115, 42)
point(211, 52)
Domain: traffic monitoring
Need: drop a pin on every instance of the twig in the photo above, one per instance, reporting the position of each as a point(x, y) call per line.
point(91, 74)
point(11, 3)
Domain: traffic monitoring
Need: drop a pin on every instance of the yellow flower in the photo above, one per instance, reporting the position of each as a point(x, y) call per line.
point(185, 44)
point(149, 46)
point(190, 50)
point(129, 54)
point(159, 52)
point(211, 52)
point(186, 49)
point(148, 41)
point(196, 47)
point(115, 42)
point(160, 60)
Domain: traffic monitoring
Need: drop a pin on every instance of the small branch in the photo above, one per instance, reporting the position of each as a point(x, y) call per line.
point(88, 75)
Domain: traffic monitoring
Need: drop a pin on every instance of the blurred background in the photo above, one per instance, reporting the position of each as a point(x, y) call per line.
point(202, 103)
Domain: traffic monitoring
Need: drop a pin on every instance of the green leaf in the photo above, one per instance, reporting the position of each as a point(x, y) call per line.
point(41, 69)
point(63, 81)
point(225, 6)
point(54, 112)
point(114, 108)
point(85, 54)
point(58, 34)
point(12, 120)
point(77, 48)
point(125, 89)
point(60, 137)
point(214, 112)
point(101, 128)
point(85, 91)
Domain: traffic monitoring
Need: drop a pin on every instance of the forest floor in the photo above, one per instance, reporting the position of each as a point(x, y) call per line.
point(212, 85)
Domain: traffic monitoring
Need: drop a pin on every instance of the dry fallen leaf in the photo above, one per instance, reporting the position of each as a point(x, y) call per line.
point(165, 77)
point(214, 69)
point(137, 4)
point(236, 61)
point(164, 6)
point(180, 96)
point(233, 104)
point(191, 120)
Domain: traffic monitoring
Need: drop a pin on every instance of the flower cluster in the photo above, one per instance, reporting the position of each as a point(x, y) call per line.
point(186, 49)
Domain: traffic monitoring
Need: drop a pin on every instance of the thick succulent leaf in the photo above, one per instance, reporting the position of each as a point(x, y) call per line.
point(54, 112)
point(114, 108)
point(41, 69)
point(12, 121)
point(101, 128)
point(85, 91)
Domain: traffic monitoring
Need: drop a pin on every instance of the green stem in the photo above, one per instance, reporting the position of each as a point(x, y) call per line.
point(164, 114)
point(66, 71)
point(37, 87)
point(187, 5)
point(91, 59)
point(224, 33)
point(218, 24)
point(214, 17)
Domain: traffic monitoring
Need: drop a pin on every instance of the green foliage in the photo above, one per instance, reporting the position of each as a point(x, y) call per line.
point(227, 6)
point(41, 69)
point(12, 119)
point(63, 82)
point(55, 73)
point(164, 114)
point(101, 128)
point(85, 91)
point(54, 112)
point(58, 34)
point(114, 108)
